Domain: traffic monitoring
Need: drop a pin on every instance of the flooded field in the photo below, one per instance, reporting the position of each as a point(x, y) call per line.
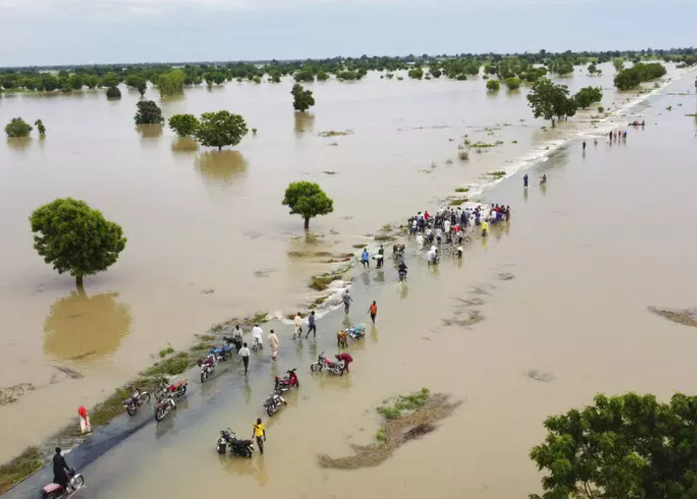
point(198, 221)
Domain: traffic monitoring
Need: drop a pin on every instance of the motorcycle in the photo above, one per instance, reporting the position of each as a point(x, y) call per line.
point(53, 490)
point(135, 401)
point(166, 403)
point(273, 403)
point(402, 275)
point(164, 387)
point(356, 332)
point(207, 369)
point(224, 352)
point(327, 364)
point(287, 382)
point(237, 343)
point(240, 447)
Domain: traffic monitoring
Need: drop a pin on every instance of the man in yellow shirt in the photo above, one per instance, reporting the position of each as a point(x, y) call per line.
point(259, 434)
point(484, 229)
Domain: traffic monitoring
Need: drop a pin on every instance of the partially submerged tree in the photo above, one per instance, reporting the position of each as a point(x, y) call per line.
point(18, 128)
point(137, 82)
point(148, 112)
point(114, 93)
point(183, 125)
point(303, 99)
point(220, 129)
point(308, 200)
point(619, 63)
point(40, 127)
point(513, 83)
point(588, 95)
point(75, 238)
point(550, 101)
point(621, 447)
point(493, 85)
point(415, 73)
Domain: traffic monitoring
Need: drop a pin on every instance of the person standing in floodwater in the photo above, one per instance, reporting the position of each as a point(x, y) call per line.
point(526, 182)
point(365, 258)
point(312, 324)
point(245, 354)
point(584, 145)
point(274, 344)
point(373, 311)
point(259, 434)
point(346, 300)
point(610, 135)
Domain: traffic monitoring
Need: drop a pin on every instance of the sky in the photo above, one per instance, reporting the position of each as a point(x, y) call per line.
point(54, 32)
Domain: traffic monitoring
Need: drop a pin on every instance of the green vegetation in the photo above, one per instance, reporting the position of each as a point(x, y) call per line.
point(593, 69)
point(321, 282)
point(148, 112)
point(75, 238)
point(619, 63)
point(19, 468)
point(626, 446)
point(513, 83)
point(40, 127)
point(18, 128)
point(137, 82)
point(455, 202)
point(480, 145)
point(308, 200)
point(551, 101)
point(402, 405)
point(601, 110)
point(171, 83)
point(359, 245)
point(183, 125)
point(382, 435)
point(497, 174)
point(629, 78)
point(164, 352)
point(220, 129)
point(462, 190)
point(333, 133)
point(303, 99)
point(415, 73)
point(493, 85)
point(173, 365)
point(588, 95)
point(254, 131)
point(560, 66)
point(114, 93)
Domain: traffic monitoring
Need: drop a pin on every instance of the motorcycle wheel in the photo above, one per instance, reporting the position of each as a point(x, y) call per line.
point(227, 355)
point(182, 390)
point(316, 367)
point(203, 377)
point(271, 410)
point(77, 481)
point(337, 371)
point(221, 448)
point(131, 409)
point(161, 412)
point(296, 383)
point(249, 453)
point(145, 397)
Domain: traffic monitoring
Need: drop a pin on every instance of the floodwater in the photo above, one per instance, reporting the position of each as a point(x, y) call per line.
point(204, 220)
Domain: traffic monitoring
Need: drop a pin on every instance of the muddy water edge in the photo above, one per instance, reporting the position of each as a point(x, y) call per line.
point(564, 292)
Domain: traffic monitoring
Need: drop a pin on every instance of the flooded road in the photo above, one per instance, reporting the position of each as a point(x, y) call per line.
point(564, 290)
point(202, 220)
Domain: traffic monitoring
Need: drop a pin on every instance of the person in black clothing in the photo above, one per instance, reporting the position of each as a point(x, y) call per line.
point(60, 469)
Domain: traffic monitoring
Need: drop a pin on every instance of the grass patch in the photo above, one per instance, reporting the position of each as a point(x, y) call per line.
point(109, 408)
point(462, 190)
point(382, 435)
point(258, 317)
point(171, 366)
point(335, 133)
point(691, 114)
point(401, 405)
point(513, 142)
point(19, 468)
point(321, 281)
point(483, 145)
point(359, 245)
point(164, 352)
point(384, 237)
point(457, 201)
point(497, 174)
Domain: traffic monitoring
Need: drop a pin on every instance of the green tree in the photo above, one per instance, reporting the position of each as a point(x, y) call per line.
point(435, 72)
point(303, 99)
point(183, 125)
point(114, 93)
point(110, 80)
point(308, 200)
point(588, 95)
point(493, 85)
point(171, 83)
point(91, 81)
point(631, 77)
point(619, 63)
point(322, 76)
point(550, 101)
point(147, 112)
point(18, 128)
point(75, 238)
point(220, 129)
point(626, 446)
point(40, 127)
point(593, 69)
point(136, 82)
point(415, 73)
point(513, 83)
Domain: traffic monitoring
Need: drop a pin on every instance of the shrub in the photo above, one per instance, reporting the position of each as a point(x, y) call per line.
point(493, 85)
point(114, 93)
point(18, 128)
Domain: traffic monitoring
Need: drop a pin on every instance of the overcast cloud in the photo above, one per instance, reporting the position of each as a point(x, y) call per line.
point(35, 32)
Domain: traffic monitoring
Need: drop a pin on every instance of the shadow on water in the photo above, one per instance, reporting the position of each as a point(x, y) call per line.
point(221, 167)
point(81, 328)
point(19, 143)
point(184, 145)
point(150, 131)
point(303, 122)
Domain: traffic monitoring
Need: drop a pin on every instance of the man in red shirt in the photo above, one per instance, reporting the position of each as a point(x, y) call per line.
point(346, 359)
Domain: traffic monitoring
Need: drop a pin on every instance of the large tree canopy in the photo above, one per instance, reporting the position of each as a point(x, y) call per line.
point(550, 101)
point(18, 128)
point(76, 238)
point(220, 129)
point(148, 112)
point(621, 447)
point(183, 125)
point(303, 99)
point(308, 200)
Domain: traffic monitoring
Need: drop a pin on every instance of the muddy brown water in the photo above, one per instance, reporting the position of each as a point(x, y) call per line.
point(198, 220)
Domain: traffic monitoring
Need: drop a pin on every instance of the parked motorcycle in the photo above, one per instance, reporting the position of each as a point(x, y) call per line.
point(285, 383)
point(166, 403)
point(53, 490)
point(206, 366)
point(324, 363)
point(135, 401)
point(163, 387)
point(224, 352)
point(356, 332)
point(402, 275)
point(237, 343)
point(273, 403)
point(240, 447)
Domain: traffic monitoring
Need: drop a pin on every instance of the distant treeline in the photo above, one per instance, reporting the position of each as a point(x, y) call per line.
point(171, 78)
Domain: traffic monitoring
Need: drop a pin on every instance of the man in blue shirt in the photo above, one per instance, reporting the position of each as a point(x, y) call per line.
point(365, 258)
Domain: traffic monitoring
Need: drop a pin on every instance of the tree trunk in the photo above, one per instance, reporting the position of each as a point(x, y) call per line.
point(306, 222)
point(79, 283)
point(553, 123)
point(219, 148)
